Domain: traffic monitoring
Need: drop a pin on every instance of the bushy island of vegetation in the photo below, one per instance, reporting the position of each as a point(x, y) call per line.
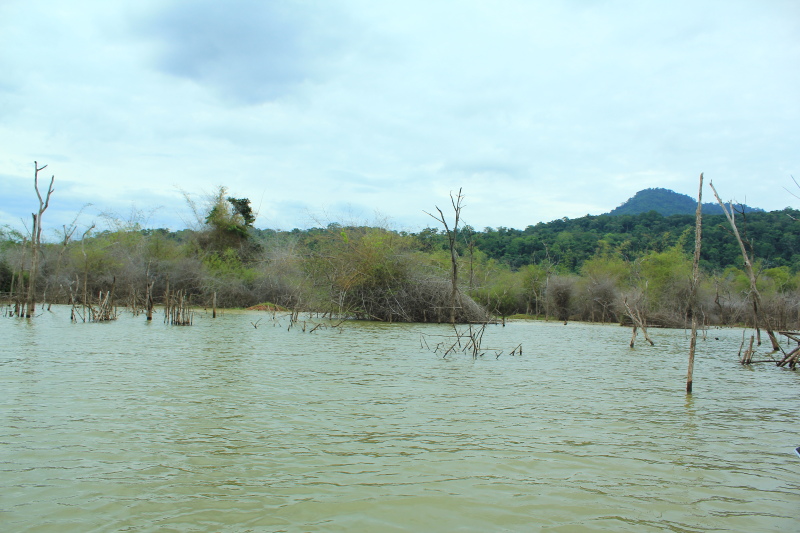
point(590, 268)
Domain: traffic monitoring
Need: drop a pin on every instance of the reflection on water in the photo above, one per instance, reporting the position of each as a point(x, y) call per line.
point(129, 426)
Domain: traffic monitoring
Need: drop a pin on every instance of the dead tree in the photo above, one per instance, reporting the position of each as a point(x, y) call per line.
point(468, 341)
point(693, 307)
point(755, 296)
point(36, 238)
point(452, 235)
point(637, 315)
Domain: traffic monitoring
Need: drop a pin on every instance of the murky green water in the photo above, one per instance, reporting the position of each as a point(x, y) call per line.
point(128, 426)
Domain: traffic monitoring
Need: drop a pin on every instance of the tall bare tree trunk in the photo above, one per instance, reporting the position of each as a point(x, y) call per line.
point(698, 235)
point(36, 238)
point(755, 296)
point(452, 235)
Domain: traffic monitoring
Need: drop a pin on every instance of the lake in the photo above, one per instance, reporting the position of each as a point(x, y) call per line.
point(223, 426)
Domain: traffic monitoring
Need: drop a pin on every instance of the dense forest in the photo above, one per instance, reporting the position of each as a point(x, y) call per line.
point(580, 269)
point(774, 236)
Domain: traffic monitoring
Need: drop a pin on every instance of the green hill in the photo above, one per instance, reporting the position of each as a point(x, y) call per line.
point(667, 202)
point(569, 242)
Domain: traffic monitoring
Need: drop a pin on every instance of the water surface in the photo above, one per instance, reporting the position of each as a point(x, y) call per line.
point(222, 426)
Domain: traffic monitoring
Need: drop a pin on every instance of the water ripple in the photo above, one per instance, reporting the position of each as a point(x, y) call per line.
point(131, 426)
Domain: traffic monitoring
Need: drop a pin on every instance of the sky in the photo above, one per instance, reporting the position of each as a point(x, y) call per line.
point(357, 111)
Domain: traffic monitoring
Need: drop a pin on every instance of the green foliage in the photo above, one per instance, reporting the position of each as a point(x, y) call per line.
point(569, 243)
point(665, 280)
point(357, 265)
point(503, 294)
point(778, 280)
point(227, 265)
point(10, 238)
point(607, 267)
point(663, 271)
point(534, 286)
point(241, 206)
point(96, 255)
point(565, 268)
point(736, 279)
point(159, 246)
point(227, 222)
point(373, 261)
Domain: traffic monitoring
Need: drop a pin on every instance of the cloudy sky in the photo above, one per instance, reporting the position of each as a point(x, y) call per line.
point(357, 110)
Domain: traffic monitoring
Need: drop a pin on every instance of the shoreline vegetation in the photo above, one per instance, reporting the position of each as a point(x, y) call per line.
point(601, 269)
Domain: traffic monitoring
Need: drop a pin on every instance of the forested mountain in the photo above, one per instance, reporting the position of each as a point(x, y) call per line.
point(667, 202)
point(774, 236)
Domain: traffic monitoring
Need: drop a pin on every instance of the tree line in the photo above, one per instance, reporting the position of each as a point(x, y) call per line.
point(593, 268)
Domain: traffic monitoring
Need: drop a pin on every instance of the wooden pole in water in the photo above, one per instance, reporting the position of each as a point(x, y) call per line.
point(214, 306)
point(698, 234)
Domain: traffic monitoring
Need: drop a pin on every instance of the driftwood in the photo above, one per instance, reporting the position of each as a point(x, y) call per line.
point(791, 358)
point(791, 335)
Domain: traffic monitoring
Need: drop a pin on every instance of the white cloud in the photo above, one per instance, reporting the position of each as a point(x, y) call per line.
point(249, 51)
point(537, 109)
